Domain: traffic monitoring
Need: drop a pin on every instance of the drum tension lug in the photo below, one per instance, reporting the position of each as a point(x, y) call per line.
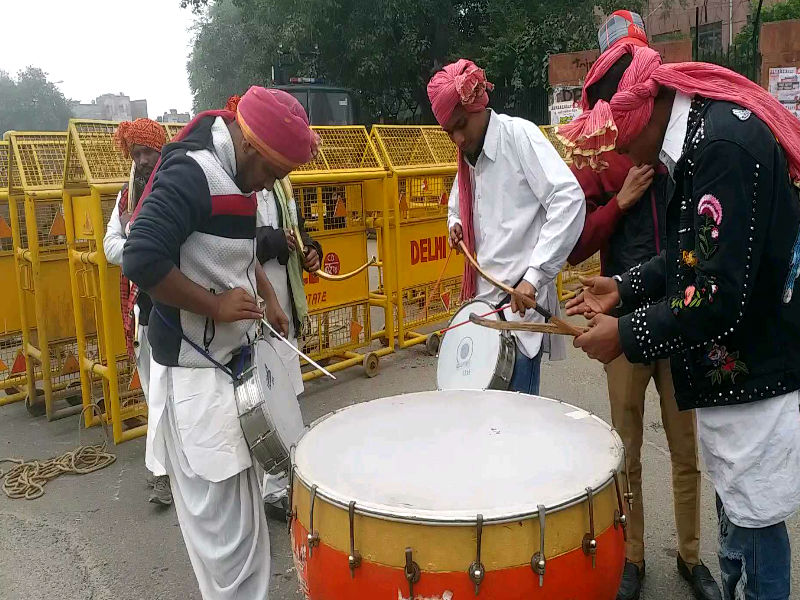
point(589, 541)
point(619, 515)
point(412, 572)
point(538, 561)
point(313, 536)
point(291, 513)
point(354, 559)
point(476, 570)
point(628, 493)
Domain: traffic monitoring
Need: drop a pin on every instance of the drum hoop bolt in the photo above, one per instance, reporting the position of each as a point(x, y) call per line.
point(412, 572)
point(476, 570)
point(619, 515)
point(313, 536)
point(589, 544)
point(538, 561)
point(354, 558)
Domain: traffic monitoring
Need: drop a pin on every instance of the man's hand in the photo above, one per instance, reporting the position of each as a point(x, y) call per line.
point(523, 289)
point(600, 295)
point(236, 305)
point(636, 183)
point(291, 240)
point(311, 262)
point(601, 342)
point(277, 318)
point(456, 235)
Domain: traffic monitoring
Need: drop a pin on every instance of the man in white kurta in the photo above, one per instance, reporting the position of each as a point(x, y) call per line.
point(276, 242)
point(192, 247)
point(524, 214)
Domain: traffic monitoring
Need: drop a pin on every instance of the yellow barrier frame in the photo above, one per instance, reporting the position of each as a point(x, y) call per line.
point(81, 180)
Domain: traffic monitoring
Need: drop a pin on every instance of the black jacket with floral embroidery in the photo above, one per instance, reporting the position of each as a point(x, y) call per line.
point(718, 300)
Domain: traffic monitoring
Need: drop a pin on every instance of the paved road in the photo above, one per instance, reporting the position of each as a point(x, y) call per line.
point(96, 537)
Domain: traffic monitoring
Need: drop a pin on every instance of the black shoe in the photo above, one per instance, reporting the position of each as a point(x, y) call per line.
point(279, 511)
point(701, 579)
point(631, 585)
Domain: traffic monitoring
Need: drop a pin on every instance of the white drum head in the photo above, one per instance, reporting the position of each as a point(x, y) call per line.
point(280, 403)
point(468, 354)
point(448, 456)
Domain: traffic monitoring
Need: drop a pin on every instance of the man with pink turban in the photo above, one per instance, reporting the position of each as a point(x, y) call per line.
point(718, 300)
point(514, 203)
point(192, 248)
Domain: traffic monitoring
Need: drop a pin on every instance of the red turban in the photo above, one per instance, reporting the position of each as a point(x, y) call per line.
point(144, 132)
point(616, 123)
point(276, 124)
point(464, 84)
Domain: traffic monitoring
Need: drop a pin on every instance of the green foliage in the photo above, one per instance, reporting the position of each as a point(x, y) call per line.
point(386, 50)
point(30, 102)
point(782, 11)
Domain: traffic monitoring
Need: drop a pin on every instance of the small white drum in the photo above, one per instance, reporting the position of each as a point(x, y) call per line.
point(458, 493)
point(474, 357)
point(268, 410)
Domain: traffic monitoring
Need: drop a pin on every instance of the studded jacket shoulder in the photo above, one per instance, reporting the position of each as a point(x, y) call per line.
point(719, 299)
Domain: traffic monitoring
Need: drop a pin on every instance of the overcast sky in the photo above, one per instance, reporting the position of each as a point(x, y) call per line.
point(138, 47)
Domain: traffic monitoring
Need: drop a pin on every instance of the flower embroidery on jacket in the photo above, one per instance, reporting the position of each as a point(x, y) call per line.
point(725, 366)
point(702, 290)
point(708, 234)
point(689, 258)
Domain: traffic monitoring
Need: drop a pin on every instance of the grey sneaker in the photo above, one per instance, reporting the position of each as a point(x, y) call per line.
point(161, 491)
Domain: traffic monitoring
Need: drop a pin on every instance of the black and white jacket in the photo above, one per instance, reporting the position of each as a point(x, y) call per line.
point(195, 219)
point(718, 300)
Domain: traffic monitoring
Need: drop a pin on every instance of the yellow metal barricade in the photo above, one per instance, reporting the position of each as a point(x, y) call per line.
point(13, 385)
point(331, 193)
point(36, 169)
point(568, 283)
point(95, 174)
point(426, 283)
point(172, 129)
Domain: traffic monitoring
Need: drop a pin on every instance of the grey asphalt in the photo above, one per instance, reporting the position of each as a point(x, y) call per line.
point(96, 537)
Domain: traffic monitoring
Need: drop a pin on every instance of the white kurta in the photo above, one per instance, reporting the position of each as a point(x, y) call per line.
point(528, 213)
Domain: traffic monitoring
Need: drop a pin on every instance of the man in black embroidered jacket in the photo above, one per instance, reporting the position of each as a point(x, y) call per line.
point(718, 300)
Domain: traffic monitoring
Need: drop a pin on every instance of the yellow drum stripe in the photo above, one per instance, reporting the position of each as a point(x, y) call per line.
point(445, 548)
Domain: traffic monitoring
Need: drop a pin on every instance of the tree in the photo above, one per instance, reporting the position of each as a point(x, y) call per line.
point(31, 102)
point(386, 50)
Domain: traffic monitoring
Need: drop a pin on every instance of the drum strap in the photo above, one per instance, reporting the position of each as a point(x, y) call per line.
point(215, 362)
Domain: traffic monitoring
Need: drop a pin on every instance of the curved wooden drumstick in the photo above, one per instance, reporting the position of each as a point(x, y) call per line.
point(324, 275)
point(526, 301)
point(552, 328)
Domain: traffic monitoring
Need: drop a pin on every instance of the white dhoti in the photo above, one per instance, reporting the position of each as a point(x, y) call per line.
point(198, 439)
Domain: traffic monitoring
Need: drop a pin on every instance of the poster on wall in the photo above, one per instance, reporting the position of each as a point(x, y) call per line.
point(563, 112)
point(784, 85)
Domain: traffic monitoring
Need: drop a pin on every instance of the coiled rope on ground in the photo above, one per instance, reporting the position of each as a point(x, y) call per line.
point(28, 478)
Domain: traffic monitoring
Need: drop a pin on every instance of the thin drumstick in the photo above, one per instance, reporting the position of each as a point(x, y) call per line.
point(494, 312)
point(528, 302)
point(552, 328)
point(438, 282)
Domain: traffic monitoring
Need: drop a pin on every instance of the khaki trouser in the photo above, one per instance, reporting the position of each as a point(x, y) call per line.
point(627, 384)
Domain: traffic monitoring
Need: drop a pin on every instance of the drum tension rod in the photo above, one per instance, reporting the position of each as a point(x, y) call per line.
point(354, 559)
point(313, 536)
point(628, 492)
point(538, 561)
point(589, 541)
point(291, 513)
point(412, 572)
point(619, 515)
point(476, 570)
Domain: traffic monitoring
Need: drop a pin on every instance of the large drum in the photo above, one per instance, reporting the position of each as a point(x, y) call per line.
point(445, 495)
point(475, 357)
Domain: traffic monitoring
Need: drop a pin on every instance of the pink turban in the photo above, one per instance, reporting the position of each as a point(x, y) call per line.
point(613, 124)
point(275, 123)
point(461, 83)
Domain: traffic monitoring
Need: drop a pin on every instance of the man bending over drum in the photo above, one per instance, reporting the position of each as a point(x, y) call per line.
point(514, 203)
point(719, 299)
point(192, 248)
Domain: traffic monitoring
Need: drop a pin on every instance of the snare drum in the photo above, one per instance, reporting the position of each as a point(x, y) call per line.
point(445, 495)
point(268, 410)
point(475, 357)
